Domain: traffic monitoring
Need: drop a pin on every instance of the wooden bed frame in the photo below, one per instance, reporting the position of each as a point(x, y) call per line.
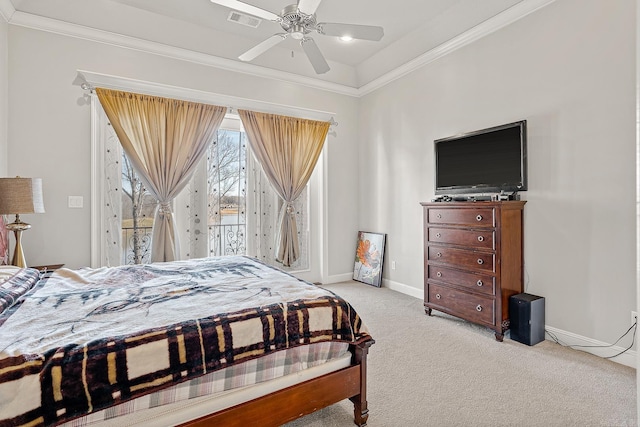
point(293, 402)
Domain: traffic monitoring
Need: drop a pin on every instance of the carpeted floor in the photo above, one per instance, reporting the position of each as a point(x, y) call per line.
point(442, 371)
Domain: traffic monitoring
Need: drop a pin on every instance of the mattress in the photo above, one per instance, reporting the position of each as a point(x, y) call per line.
point(192, 408)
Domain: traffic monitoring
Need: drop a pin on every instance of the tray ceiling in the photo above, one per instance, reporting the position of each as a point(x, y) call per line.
point(415, 28)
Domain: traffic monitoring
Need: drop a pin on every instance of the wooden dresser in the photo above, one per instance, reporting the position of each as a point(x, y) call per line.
point(473, 260)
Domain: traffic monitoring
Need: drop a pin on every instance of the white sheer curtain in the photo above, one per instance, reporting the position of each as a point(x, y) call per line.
point(263, 207)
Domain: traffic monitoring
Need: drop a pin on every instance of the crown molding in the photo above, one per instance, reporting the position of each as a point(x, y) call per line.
point(73, 30)
point(501, 20)
point(487, 27)
point(7, 10)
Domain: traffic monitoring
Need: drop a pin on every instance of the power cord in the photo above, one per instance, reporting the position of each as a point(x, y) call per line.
point(633, 327)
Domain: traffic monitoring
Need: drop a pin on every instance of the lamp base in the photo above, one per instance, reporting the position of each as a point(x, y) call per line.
point(18, 255)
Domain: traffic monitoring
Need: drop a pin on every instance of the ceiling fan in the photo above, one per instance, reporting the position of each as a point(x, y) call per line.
point(298, 20)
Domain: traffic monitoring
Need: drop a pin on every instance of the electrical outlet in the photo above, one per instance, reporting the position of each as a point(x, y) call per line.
point(634, 317)
point(393, 265)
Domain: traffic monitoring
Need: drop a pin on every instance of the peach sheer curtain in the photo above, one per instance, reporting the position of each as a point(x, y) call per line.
point(164, 139)
point(287, 148)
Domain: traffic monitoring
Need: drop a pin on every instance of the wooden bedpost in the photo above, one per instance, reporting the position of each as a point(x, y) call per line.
point(360, 410)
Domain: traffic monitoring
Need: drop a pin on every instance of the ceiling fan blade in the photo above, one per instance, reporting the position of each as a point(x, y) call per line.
point(262, 47)
point(247, 8)
point(362, 32)
point(308, 7)
point(315, 56)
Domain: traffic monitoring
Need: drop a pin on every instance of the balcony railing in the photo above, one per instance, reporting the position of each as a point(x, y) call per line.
point(136, 245)
point(228, 239)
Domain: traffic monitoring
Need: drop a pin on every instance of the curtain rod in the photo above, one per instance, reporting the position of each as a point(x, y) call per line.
point(233, 110)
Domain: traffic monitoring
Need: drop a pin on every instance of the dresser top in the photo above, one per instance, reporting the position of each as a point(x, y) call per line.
point(505, 204)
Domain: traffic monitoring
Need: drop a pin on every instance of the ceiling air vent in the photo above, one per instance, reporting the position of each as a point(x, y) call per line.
point(243, 19)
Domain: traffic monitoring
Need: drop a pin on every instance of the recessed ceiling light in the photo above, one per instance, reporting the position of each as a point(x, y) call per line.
point(346, 38)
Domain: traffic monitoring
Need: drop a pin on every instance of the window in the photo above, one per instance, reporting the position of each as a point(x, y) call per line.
point(241, 209)
point(125, 207)
point(215, 202)
point(228, 208)
point(137, 211)
point(226, 193)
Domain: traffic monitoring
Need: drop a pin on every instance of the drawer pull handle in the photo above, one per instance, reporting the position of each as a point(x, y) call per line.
point(480, 238)
point(480, 261)
point(439, 216)
point(439, 274)
point(479, 283)
point(478, 307)
point(439, 254)
point(438, 235)
point(438, 296)
point(479, 218)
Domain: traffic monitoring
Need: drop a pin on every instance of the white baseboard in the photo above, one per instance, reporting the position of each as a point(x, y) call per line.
point(386, 283)
point(337, 278)
point(601, 349)
point(403, 289)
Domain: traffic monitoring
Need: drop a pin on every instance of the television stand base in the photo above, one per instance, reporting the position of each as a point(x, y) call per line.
point(479, 198)
point(496, 197)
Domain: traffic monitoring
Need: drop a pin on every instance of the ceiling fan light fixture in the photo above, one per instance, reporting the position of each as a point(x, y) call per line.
point(298, 20)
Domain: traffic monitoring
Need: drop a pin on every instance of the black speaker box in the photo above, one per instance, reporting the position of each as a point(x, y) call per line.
point(526, 315)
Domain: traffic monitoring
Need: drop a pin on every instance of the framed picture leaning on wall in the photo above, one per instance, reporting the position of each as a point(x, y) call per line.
point(369, 258)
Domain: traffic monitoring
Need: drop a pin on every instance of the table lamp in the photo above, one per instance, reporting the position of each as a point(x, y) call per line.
point(20, 196)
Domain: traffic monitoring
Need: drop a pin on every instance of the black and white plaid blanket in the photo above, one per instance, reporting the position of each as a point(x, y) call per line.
point(84, 340)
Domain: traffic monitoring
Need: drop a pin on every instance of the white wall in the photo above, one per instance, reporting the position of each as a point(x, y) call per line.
point(569, 70)
point(4, 91)
point(50, 134)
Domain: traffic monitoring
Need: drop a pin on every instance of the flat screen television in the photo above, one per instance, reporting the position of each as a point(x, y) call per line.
point(492, 160)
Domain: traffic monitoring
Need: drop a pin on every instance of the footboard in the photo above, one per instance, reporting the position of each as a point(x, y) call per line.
point(293, 402)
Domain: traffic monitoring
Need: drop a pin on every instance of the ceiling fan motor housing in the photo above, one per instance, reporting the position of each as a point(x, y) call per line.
point(295, 22)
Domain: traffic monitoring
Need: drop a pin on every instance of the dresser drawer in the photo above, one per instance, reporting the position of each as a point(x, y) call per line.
point(478, 261)
point(470, 238)
point(476, 308)
point(476, 217)
point(473, 281)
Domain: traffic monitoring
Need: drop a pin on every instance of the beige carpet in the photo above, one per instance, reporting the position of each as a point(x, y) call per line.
point(441, 371)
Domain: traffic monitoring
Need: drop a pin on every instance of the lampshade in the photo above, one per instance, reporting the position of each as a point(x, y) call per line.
point(21, 196)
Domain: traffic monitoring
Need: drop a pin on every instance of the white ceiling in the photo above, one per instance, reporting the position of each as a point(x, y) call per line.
point(411, 29)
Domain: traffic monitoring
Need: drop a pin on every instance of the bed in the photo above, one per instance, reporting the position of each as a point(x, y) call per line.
point(214, 341)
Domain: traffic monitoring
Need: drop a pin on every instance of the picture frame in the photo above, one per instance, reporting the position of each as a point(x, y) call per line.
point(369, 258)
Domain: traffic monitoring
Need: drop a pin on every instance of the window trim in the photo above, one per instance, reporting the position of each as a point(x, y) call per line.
point(97, 186)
